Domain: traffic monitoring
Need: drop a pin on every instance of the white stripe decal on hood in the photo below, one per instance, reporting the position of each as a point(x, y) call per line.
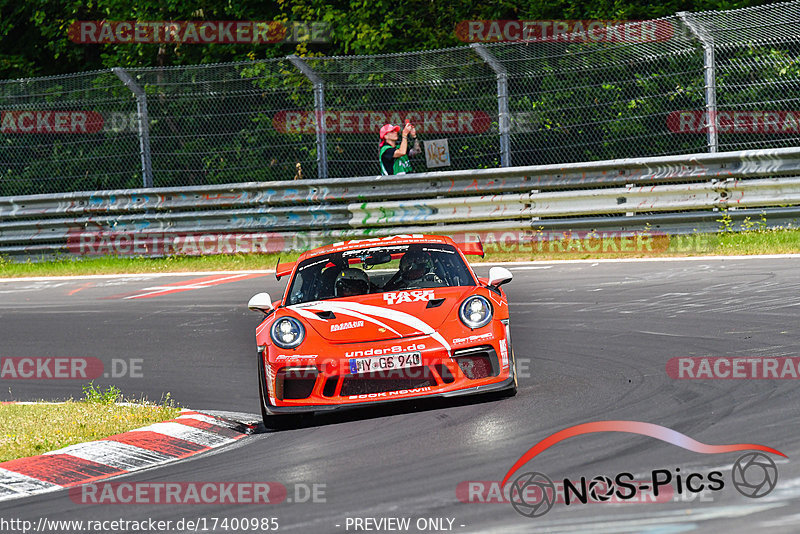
point(309, 315)
point(392, 315)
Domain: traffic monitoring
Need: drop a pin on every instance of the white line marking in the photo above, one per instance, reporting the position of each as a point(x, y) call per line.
point(113, 453)
point(13, 485)
point(474, 265)
point(130, 275)
point(660, 333)
point(184, 287)
point(207, 419)
point(189, 433)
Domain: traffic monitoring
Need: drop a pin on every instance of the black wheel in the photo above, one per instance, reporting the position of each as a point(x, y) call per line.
point(511, 390)
point(272, 421)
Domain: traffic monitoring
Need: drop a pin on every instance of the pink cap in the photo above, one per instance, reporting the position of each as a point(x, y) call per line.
point(386, 128)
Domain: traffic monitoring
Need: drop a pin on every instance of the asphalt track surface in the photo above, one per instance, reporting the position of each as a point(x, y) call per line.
point(592, 339)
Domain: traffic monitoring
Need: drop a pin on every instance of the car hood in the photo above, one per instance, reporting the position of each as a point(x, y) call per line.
point(381, 316)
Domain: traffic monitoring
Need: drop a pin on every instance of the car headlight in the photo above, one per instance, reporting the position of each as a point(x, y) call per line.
point(475, 312)
point(287, 332)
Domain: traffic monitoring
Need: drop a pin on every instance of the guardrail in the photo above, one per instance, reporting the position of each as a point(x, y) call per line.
point(672, 194)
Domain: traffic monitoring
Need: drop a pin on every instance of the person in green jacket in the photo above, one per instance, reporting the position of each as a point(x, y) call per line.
point(394, 158)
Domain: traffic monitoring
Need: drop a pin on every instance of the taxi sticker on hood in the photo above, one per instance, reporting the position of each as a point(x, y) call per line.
point(423, 295)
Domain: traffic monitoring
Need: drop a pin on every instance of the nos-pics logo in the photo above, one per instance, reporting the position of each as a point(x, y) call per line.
point(533, 494)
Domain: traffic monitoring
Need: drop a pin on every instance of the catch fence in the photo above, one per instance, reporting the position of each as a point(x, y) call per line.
point(690, 83)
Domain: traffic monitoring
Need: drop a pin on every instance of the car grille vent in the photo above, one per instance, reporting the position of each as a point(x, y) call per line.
point(478, 362)
point(377, 384)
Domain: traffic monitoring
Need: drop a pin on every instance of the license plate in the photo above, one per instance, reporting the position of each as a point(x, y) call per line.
point(385, 363)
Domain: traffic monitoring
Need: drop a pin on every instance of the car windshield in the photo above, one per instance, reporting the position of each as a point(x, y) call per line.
point(378, 269)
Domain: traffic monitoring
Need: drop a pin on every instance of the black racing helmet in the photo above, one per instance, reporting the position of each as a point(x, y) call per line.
point(351, 282)
point(415, 264)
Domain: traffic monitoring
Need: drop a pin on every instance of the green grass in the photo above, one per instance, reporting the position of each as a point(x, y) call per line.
point(32, 429)
point(757, 241)
point(70, 266)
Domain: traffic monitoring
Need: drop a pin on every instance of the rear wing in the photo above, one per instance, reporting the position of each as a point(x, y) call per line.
point(282, 269)
point(471, 248)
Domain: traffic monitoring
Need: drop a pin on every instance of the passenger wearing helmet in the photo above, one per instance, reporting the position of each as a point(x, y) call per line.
point(416, 266)
point(351, 282)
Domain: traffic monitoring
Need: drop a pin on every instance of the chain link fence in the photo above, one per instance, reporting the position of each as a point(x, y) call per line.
point(702, 82)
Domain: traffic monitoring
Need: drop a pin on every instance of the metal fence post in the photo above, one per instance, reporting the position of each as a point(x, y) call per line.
point(503, 117)
point(144, 124)
point(707, 40)
point(319, 109)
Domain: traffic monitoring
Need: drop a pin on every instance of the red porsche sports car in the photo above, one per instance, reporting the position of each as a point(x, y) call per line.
point(376, 320)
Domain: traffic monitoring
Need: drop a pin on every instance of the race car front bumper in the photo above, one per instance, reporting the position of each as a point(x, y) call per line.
point(310, 408)
point(469, 371)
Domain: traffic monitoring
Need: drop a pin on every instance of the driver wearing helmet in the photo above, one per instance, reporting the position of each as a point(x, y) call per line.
point(351, 282)
point(414, 265)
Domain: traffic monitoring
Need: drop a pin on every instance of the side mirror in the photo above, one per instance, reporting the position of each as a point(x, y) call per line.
point(499, 276)
point(261, 302)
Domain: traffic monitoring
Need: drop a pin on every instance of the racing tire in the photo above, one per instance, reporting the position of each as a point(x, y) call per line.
point(511, 390)
point(272, 421)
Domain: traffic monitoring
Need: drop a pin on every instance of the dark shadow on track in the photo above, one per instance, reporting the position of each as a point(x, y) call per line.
point(345, 415)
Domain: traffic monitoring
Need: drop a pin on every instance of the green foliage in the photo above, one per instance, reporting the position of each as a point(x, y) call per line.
point(212, 125)
point(747, 226)
point(34, 39)
point(95, 394)
point(726, 222)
